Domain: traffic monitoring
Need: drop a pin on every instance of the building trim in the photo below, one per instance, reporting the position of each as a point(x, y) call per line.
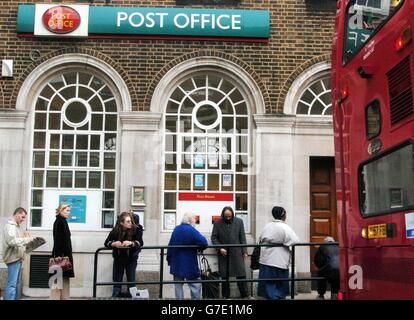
point(140, 121)
point(12, 119)
point(38, 76)
point(242, 78)
point(303, 81)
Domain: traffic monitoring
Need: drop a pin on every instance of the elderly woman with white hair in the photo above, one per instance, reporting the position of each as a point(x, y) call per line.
point(183, 261)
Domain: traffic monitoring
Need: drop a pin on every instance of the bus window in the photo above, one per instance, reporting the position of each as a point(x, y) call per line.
point(386, 184)
point(363, 19)
point(373, 120)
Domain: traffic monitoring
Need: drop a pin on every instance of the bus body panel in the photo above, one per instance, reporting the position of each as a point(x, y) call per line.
point(387, 263)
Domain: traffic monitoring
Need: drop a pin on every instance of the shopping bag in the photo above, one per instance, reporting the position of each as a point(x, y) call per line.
point(210, 290)
point(139, 294)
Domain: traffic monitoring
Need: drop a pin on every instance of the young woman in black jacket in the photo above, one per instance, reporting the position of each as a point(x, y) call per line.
point(62, 247)
point(126, 240)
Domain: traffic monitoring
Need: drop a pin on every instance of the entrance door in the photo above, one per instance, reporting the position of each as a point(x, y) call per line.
point(322, 202)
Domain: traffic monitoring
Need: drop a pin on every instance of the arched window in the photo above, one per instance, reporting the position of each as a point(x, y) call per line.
point(310, 92)
point(74, 151)
point(316, 98)
point(206, 150)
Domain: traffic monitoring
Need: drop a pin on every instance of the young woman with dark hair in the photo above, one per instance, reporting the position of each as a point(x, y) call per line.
point(126, 240)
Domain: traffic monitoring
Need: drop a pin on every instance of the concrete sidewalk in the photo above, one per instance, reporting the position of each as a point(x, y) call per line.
point(300, 296)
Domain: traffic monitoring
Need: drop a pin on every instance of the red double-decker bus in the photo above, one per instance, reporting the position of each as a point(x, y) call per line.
point(372, 77)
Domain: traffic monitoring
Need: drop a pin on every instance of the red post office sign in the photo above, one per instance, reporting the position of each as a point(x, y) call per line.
point(61, 19)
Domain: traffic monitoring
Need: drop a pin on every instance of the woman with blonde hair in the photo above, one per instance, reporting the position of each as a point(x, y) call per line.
point(62, 247)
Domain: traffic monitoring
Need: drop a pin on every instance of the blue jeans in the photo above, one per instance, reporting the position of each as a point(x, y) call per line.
point(195, 289)
point(273, 290)
point(12, 291)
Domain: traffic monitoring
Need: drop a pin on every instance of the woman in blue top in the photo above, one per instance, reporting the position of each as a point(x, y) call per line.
point(183, 261)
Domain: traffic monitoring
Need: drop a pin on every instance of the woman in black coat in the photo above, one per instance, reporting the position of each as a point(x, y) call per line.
point(125, 239)
point(62, 247)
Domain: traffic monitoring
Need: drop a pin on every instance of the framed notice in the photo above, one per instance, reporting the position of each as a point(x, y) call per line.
point(138, 196)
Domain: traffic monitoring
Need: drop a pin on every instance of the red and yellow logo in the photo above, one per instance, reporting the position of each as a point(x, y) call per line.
point(61, 19)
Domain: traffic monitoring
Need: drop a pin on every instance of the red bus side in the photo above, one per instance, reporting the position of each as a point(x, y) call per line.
point(387, 263)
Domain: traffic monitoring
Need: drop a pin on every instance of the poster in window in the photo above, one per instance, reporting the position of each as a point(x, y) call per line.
point(227, 180)
point(199, 161)
point(243, 216)
point(396, 198)
point(213, 161)
point(199, 180)
point(215, 219)
point(77, 207)
point(169, 221)
point(141, 216)
point(138, 196)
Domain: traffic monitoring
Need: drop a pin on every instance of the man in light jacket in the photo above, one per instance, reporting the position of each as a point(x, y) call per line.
point(14, 248)
point(274, 261)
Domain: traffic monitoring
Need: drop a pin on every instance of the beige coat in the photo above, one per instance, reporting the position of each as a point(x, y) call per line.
point(14, 242)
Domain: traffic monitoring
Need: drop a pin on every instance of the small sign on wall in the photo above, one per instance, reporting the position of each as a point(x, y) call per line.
point(409, 225)
point(7, 68)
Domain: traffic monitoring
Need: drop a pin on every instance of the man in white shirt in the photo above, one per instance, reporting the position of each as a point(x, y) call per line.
point(275, 261)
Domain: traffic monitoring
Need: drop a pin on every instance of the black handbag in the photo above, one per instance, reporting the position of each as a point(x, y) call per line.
point(255, 258)
point(210, 290)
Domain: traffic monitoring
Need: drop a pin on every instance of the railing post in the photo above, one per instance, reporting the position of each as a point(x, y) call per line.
point(95, 274)
point(292, 281)
point(228, 271)
point(161, 272)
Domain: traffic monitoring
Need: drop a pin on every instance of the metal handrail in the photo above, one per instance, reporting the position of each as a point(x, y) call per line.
point(292, 279)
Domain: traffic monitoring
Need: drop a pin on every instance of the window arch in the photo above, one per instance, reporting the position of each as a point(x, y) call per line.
point(74, 149)
point(310, 92)
point(316, 98)
point(206, 146)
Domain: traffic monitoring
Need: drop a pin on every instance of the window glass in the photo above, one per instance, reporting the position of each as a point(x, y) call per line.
point(364, 18)
point(65, 157)
point(387, 183)
point(373, 120)
point(207, 129)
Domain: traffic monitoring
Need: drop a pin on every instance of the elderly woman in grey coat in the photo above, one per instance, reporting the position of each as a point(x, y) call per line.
point(230, 230)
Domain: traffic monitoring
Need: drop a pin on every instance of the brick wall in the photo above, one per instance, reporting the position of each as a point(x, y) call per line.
point(301, 34)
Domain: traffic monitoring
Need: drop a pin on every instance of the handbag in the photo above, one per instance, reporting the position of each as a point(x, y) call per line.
point(255, 258)
point(60, 262)
point(210, 290)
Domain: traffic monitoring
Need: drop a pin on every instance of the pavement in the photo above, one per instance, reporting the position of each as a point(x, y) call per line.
point(300, 296)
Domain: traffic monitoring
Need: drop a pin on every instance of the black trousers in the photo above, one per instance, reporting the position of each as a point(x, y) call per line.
point(119, 267)
point(332, 278)
point(225, 288)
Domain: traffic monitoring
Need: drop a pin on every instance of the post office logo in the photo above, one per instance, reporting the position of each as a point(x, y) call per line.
point(61, 19)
